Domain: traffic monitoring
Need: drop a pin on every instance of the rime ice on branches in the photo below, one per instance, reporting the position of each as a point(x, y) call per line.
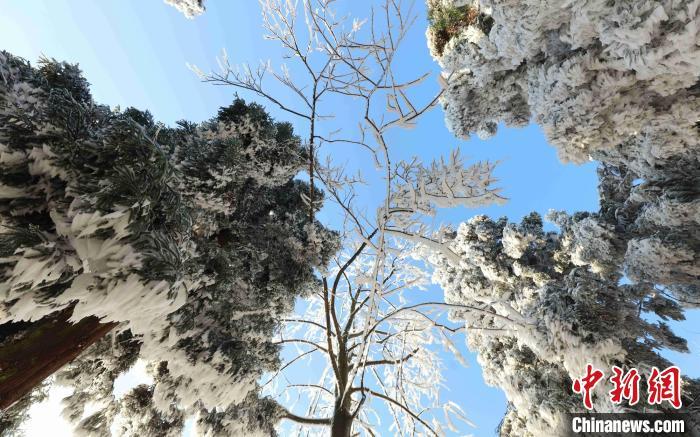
point(165, 232)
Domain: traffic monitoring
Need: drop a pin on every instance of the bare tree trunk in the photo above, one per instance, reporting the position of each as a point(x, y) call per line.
point(31, 352)
point(342, 422)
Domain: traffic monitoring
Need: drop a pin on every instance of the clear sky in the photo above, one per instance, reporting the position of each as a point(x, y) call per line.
point(134, 53)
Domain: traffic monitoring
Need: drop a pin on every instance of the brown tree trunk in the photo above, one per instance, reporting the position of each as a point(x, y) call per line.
point(31, 352)
point(342, 423)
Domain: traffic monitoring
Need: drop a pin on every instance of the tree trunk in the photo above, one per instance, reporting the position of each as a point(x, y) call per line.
point(342, 423)
point(31, 352)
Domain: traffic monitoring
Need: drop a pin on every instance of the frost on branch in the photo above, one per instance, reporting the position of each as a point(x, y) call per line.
point(375, 342)
point(193, 238)
point(444, 184)
point(612, 80)
point(648, 230)
point(385, 360)
point(574, 312)
point(191, 8)
point(12, 418)
point(589, 91)
point(616, 82)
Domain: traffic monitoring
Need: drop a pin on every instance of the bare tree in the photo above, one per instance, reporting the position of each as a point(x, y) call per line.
point(364, 317)
point(281, 22)
point(375, 358)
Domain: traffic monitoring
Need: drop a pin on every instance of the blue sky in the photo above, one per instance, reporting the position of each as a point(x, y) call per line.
point(134, 53)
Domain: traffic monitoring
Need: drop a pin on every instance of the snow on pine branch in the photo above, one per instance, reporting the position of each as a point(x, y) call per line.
point(576, 314)
point(606, 81)
point(615, 83)
point(190, 8)
point(167, 231)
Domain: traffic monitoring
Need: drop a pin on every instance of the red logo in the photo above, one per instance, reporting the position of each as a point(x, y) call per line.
point(661, 386)
point(626, 386)
point(665, 386)
point(586, 384)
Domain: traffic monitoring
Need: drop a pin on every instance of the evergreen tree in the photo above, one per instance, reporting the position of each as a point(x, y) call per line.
point(191, 8)
point(615, 82)
point(554, 315)
point(190, 240)
point(12, 418)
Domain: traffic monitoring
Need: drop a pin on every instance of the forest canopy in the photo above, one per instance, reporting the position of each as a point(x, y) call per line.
point(268, 287)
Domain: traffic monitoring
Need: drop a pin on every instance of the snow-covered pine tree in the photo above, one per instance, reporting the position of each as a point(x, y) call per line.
point(190, 240)
point(558, 311)
point(190, 8)
point(617, 82)
point(12, 418)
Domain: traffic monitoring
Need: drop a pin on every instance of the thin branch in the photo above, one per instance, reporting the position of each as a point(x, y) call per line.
point(402, 406)
point(306, 420)
point(392, 362)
